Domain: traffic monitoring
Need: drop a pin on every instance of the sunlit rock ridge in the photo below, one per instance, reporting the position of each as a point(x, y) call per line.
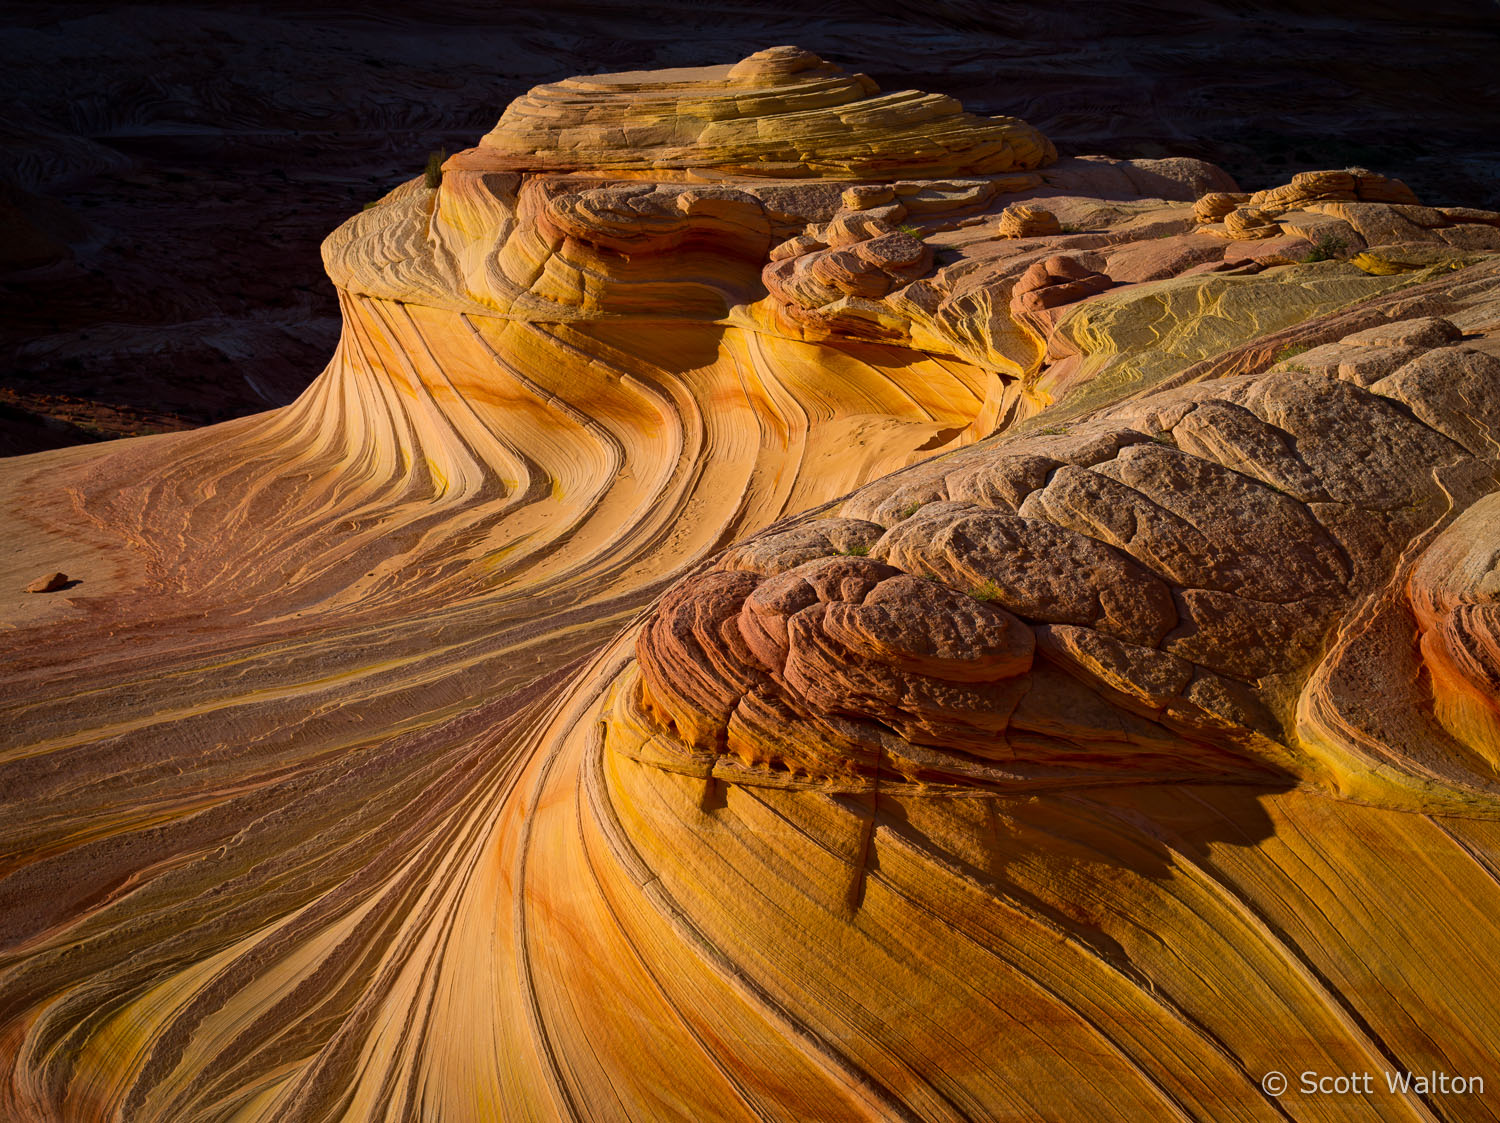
point(789, 602)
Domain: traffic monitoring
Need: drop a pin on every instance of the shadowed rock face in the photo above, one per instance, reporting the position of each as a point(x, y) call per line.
point(751, 629)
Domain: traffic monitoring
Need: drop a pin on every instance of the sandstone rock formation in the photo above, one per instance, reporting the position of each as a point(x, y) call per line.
point(745, 627)
point(180, 164)
point(781, 111)
point(1027, 222)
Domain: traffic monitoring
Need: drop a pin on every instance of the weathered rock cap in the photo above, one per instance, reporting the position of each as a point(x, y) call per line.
point(780, 112)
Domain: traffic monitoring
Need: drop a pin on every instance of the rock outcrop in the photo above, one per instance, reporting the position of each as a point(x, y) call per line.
point(757, 622)
point(180, 165)
point(782, 111)
point(1137, 599)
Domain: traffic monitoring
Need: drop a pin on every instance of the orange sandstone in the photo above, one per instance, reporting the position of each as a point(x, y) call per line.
point(751, 625)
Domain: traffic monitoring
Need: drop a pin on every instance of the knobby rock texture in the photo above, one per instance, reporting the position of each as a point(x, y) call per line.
point(790, 601)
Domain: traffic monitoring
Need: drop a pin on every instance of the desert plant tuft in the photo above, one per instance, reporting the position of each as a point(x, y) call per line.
point(986, 590)
point(858, 550)
point(1325, 248)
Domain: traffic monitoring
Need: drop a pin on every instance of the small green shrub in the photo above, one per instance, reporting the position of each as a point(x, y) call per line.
point(858, 550)
point(434, 170)
point(1290, 350)
point(986, 591)
point(1053, 431)
point(908, 228)
point(910, 510)
point(1325, 248)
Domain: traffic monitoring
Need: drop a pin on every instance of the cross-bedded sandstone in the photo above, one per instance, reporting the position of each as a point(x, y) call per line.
point(758, 622)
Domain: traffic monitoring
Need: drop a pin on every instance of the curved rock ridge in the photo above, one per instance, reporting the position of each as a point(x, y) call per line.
point(772, 643)
point(780, 112)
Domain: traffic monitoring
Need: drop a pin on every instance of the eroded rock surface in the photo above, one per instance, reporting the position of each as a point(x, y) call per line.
point(781, 111)
point(758, 622)
point(1178, 564)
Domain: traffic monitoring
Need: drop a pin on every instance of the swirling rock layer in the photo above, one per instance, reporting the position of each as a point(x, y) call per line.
point(779, 637)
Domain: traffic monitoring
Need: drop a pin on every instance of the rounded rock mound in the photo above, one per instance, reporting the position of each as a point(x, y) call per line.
point(780, 112)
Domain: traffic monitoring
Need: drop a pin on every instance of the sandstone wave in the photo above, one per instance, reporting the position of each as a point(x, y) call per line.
point(788, 602)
